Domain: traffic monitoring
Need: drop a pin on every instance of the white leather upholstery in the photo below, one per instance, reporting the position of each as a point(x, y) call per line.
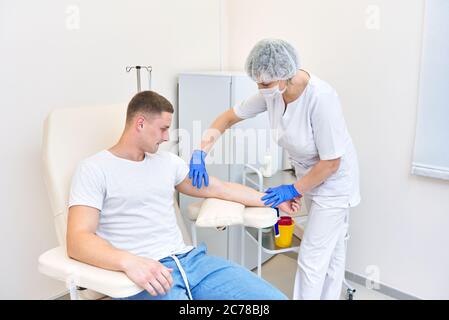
point(218, 213)
point(193, 210)
point(71, 135)
point(259, 217)
point(57, 265)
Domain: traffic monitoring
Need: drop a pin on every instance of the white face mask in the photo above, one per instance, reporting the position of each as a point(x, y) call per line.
point(272, 92)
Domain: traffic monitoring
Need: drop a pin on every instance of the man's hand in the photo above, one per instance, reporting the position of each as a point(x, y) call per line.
point(149, 274)
point(291, 206)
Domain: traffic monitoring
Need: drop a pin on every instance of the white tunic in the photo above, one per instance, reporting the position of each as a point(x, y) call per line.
point(313, 129)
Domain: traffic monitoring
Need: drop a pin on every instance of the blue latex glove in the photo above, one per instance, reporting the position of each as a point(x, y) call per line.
point(275, 196)
point(198, 169)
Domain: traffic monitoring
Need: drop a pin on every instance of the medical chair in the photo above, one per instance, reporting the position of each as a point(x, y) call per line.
point(71, 135)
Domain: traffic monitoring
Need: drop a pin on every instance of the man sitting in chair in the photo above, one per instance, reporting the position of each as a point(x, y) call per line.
point(122, 217)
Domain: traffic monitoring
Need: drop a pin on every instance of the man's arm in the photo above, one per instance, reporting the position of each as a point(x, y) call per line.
point(84, 245)
point(231, 191)
point(223, 190)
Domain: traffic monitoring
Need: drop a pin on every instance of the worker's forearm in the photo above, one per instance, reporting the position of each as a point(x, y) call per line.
point(91, 249)
point(212, 134)
point(319, 173)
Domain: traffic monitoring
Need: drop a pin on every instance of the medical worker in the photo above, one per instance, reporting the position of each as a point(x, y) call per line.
point(306, 115)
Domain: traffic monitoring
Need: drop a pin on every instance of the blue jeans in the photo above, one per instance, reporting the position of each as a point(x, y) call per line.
point(212, 278)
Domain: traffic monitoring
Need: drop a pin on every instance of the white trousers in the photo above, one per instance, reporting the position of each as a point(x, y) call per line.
point(322, 254)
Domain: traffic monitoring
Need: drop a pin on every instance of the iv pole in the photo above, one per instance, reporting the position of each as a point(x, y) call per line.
point(148, 68)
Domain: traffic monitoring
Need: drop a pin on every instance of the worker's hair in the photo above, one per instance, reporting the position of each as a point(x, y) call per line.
point(148, 102)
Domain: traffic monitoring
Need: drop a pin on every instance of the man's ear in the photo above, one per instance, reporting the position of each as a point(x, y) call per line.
point(140, 120)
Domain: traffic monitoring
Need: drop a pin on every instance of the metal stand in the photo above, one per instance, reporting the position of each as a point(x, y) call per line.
point(252, 176)
point(265, 242)
point(149, 70)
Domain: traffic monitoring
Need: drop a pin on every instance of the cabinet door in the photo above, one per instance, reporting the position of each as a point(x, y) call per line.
point(201, 99)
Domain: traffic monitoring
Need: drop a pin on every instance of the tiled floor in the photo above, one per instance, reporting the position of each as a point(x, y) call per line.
point(280, 271)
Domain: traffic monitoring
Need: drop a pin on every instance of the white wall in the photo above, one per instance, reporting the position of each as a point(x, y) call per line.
point(47, 64)
point(370, 52)
point(401, 225)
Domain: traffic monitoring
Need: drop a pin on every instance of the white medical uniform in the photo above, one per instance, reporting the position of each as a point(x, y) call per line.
point(311, 129)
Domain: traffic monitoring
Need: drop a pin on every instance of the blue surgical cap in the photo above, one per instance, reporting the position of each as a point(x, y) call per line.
point(271, 60)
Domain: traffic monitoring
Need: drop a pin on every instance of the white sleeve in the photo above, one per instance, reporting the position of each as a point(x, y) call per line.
point(181, 168)
point(251, 107)
point(329, 127)
point(88, 186)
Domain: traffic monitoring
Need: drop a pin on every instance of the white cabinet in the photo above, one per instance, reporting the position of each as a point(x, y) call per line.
point(201, 98)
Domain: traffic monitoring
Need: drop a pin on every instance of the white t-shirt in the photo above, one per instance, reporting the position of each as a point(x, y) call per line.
point(313, 129)
point(135, 199)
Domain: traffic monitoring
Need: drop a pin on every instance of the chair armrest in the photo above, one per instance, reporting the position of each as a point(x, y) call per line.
point(259, 217)
point(56, 264)
point(214, 212)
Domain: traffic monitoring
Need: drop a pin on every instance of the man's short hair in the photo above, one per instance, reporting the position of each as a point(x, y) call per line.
point(148, 102)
